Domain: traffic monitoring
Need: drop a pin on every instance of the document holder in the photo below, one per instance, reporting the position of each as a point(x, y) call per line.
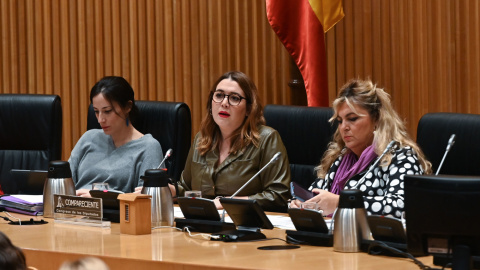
point(201, 215)
point(27, 181)
point(248, 218)
point(385, 231)
point(311, 228)
point(111, 204)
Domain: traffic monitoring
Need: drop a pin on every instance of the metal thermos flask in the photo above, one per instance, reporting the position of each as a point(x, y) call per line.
point(59, 181)
point(350, 222)
point(155, 183)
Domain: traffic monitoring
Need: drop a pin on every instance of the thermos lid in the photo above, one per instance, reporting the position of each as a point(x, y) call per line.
point(155, 178)
point(59, 169)
point(351, 198)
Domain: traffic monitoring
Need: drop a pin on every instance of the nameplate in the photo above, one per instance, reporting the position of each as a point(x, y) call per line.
point(78, 210)
point(80, 206)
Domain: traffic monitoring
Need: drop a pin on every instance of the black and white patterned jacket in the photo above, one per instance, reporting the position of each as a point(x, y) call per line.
point(384, 188)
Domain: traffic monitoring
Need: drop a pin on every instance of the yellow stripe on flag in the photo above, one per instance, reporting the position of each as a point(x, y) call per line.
point(328, 12)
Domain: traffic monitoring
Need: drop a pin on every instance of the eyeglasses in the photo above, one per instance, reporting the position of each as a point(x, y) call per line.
point(233, 99)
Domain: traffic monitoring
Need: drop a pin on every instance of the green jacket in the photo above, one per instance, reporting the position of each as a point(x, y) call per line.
point(270, 189)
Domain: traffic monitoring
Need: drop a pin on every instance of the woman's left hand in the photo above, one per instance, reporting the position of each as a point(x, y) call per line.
point(325, 200)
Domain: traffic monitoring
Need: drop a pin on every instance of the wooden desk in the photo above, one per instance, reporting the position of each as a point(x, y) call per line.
point(47, 246)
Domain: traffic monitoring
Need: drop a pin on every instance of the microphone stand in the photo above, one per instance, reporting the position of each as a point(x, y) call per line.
point(167, 155)
point(274, 158)
point(387, 149)
point(451, 141)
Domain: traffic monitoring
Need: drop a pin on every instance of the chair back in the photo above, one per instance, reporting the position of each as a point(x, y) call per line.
point(433, 133)
point(305, 132)
point(30, 134)
point(168, 122)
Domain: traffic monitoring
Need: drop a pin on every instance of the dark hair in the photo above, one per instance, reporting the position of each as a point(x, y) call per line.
point(11, 257)
point(114, 88)
point(247, 133)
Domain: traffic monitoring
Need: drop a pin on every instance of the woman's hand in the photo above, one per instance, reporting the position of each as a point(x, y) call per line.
point(294, 203)
point(217, 203)
point(172, 190)
point(83, 192)
point(138, 190)
point(325, 200)
point(220, 206)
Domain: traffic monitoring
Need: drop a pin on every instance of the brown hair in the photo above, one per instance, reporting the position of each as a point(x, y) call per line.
point(389, 126)
point(248, 132)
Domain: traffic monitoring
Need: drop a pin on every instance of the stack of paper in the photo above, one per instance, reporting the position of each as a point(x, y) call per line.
point(24, 204)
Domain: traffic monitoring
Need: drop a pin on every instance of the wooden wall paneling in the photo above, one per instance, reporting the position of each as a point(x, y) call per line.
point(202, 86)
point(30, 38)
point(38, 85)
point(104, 37)
point(5, 28)
point(169, 53)
point(416, 65)
point(185, 42)
point(198, 47)
point(149, 53)
point(78, 117)
point(142, 39)
point(376, 40)
point(47, 48)
point(125, 41)
point(467, 27)
point(473, 7)
point(385, 39)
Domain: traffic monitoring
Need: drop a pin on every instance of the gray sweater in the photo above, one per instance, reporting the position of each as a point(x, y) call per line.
point(96, 159)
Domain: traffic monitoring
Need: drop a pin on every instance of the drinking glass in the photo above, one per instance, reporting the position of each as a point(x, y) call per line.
point(100, 186)
point(193, 193)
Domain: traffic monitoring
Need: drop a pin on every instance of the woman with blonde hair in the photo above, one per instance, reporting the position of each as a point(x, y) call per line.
point(233, 145)
point(367, 123)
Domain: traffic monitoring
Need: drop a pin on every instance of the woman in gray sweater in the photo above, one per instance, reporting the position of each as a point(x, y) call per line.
point(118, 154)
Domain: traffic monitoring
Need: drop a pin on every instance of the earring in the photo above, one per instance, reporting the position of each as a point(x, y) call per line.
point(127, 121)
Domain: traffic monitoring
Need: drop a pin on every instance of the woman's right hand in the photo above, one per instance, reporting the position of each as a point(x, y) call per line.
point(83, 192)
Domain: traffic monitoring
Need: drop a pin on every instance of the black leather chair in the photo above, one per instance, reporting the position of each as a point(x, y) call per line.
point(433, 133)
point(168, 122)
point(306, 132)
point(30, 134)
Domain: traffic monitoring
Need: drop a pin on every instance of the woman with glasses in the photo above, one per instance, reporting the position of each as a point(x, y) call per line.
point(233, 145)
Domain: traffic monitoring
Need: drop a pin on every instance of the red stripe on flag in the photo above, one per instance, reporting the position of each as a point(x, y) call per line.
point(302, 34)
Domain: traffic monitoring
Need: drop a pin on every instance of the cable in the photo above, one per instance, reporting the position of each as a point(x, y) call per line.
point(162, 227)
point(204, 235)
point(398, 252)
point(8, 214)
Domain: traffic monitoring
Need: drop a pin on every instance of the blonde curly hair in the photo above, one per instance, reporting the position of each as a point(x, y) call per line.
point(389, 126)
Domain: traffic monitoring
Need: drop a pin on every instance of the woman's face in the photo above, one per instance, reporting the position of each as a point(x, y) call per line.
point(356, 129)
point(229, 117)
point(110, 116)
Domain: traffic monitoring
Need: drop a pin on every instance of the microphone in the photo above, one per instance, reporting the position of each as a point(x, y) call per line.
point(274, 158)
point(393, 144)
point(167, 155)
point(450, 143)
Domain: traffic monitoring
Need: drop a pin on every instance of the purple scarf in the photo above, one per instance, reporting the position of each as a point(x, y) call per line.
point(351, 166)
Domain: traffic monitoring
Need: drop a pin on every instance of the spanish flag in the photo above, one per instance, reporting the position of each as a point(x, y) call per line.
point(301, 26)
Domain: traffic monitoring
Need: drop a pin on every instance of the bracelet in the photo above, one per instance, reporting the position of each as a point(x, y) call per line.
point(219, 197)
